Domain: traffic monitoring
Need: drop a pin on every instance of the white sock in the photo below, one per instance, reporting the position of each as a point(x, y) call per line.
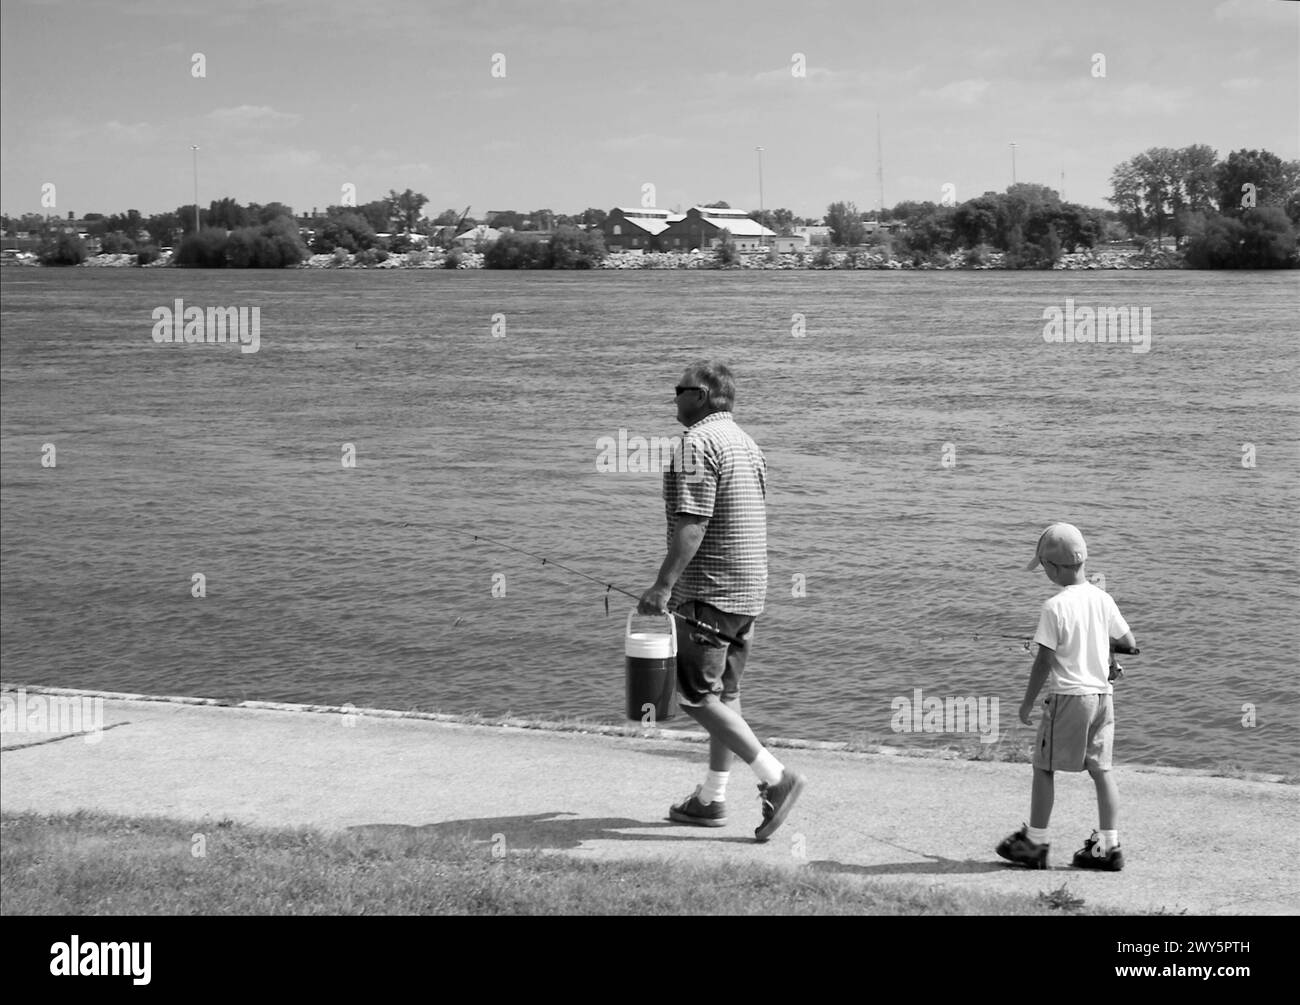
point(767, 767)
point(1109, 840)
point(714, 789)
point(1038, 835)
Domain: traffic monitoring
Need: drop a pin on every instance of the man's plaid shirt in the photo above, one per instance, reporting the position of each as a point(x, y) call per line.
point(721, 474)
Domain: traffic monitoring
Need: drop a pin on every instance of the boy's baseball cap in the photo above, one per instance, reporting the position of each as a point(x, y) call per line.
point(1060, 544)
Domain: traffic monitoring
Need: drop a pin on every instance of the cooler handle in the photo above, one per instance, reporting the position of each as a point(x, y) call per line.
point(672, 624)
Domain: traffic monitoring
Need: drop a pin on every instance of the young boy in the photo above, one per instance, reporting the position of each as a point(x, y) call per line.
point(1077, 630)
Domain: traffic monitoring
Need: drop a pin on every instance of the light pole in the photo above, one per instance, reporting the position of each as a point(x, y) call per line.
point(1013, 163)
point(196, 189)
point(759, 150)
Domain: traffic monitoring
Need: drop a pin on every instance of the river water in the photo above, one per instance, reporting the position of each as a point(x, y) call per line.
point(919, 430)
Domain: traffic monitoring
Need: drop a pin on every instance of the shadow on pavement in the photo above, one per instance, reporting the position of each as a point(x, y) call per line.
point(937, 866)
point(558, 831)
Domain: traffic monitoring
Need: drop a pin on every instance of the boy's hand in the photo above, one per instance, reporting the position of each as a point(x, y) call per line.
point(1037, 678)
point(1126, 645)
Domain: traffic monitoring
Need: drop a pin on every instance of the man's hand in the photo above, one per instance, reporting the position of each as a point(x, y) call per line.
point(1027, 712)
point(654, 600)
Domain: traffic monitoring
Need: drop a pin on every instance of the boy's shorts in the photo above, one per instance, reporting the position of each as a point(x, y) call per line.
point(707, 664)
point(1076, 734)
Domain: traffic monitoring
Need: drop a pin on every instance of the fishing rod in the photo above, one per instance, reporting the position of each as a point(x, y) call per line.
point(1115, 670)
point(1026, 639)
point(600, 582)
point(1115, 647)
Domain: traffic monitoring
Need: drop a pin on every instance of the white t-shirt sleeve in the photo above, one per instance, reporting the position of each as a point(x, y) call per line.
point(1048, 631)
point(1115, 623)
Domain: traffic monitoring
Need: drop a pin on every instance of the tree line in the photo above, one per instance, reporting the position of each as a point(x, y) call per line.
point(1243, 211)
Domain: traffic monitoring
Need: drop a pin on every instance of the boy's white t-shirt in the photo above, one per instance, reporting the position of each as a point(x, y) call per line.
point(1078, 624)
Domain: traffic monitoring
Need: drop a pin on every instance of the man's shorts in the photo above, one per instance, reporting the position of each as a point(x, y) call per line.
point(707, 664)
point(1076, 734)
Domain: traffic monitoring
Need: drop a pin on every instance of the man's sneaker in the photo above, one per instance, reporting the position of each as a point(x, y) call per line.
point(1019, 849)
point(777, 801)
point(692, 811)
point(1090, 856)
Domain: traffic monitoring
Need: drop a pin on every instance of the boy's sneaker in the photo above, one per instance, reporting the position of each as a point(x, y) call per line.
point(1019, 849)
point(692, 811)
point(777, 801)
point(1090, 856)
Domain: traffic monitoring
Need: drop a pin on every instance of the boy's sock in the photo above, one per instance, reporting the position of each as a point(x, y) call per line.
point(1038, 835)
point(767, 767)
point(1109, 840)
point(714, 789)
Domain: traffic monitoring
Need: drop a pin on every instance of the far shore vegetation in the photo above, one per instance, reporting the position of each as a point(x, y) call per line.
point(93, 864)
point(1242, 212)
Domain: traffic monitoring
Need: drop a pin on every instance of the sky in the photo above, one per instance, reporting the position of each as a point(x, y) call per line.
point(569, 104)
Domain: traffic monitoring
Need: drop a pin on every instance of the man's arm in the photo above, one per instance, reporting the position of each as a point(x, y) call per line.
point(685, 543)
point(1037, 677)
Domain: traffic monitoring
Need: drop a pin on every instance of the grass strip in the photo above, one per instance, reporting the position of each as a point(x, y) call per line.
point(89, 864)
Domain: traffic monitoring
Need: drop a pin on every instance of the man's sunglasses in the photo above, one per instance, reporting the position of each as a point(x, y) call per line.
point(679, 389)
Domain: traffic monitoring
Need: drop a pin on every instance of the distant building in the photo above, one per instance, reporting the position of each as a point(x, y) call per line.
point(28, 240)
point(702, 228)
point(510, 219)
point(636, 229)
point(482, 233)
point(72, 225)
point(418, 240)
point(791, 244)
point(817, 237)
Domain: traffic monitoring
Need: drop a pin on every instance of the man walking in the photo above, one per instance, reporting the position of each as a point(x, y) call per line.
point(716, 573)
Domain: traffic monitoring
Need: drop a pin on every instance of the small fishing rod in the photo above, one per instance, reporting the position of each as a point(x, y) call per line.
point(1115, 670)
point(1025, 640)
point(600, 582)
point(1028, 640)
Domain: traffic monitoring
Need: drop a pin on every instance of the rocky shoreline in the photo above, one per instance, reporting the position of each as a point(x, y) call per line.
point(832, 259)
point(857, 259)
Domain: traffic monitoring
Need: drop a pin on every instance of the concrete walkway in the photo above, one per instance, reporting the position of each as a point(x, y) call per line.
point(1192, 842)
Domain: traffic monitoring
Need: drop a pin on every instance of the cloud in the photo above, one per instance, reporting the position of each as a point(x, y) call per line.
point(1240, 85)
point(960, 92)
point(1145, 99)
point(781, 80)
point(641, 141)
point(253, 117)
point(284, 159)
point(136, 132)
point(1246, 11)
point(64, 132)
point(413, 169)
